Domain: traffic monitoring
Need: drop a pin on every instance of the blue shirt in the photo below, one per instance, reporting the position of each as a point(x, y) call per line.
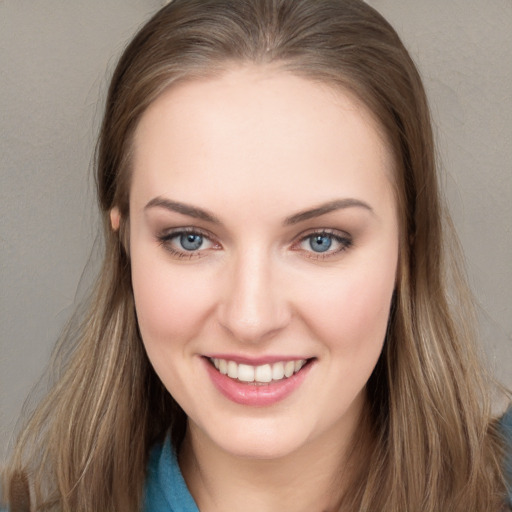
point(506, 425)
point(166, 490)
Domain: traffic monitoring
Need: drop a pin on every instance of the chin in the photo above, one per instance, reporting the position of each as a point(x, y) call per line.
point(257, 438)
point(262, 448)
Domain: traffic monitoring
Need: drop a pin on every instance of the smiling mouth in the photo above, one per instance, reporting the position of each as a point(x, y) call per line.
point(261, 374)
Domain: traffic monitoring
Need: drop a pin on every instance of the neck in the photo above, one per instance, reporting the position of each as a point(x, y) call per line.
point(312, 478)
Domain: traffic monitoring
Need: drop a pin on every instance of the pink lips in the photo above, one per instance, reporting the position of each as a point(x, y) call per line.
point(259, 395)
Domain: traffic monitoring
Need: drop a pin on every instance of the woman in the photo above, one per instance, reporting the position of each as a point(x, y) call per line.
point(277, 322)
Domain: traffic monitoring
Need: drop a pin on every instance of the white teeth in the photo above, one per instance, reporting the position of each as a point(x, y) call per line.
point(232, 370)
point(289, 368)
point(277, 371)
point(245, 373)
point(263, 374)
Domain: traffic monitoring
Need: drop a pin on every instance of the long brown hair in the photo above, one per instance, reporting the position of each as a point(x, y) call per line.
point(435, 447)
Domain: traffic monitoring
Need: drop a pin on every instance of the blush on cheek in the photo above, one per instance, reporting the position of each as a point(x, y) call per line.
point(353, 314)
point(371, 309)
point(169, 304)
point(371, 295)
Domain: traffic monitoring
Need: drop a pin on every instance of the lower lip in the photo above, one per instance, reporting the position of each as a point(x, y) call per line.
point(257, 395)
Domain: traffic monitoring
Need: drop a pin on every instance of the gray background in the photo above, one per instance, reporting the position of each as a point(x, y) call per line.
point(55, 59)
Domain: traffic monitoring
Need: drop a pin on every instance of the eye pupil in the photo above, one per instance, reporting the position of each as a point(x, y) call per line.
point(320, 243)
point(191, 241)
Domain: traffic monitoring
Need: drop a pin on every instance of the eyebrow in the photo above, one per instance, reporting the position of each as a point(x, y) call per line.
point(185, 209)
point(199, 213)
point(331, 206)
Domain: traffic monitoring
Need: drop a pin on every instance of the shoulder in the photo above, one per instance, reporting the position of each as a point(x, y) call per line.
point(165, 489)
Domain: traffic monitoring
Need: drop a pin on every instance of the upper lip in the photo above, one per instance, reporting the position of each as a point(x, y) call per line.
point(256, 361)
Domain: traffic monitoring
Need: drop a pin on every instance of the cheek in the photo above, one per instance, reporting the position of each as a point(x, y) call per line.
point(350, 311)
point(170, 301)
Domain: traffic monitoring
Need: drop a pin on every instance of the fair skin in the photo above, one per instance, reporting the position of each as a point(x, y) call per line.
point(228, 269)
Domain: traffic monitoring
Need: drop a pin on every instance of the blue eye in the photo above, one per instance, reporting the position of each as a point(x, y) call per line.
point(320, 243)
point(187, 243)
point(190, 241)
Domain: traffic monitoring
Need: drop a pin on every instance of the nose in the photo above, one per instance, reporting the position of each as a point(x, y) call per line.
point(254, 307)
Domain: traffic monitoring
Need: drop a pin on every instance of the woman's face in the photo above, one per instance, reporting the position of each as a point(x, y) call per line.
point(264, 247)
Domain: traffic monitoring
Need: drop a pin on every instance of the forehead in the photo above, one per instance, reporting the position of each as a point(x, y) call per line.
point(255, 129)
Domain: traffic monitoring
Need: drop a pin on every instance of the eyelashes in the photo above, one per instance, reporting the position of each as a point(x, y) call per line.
point(323, 244)
point(189, 242)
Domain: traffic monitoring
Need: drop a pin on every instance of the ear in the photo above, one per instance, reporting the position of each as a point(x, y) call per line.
point(115, 218)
